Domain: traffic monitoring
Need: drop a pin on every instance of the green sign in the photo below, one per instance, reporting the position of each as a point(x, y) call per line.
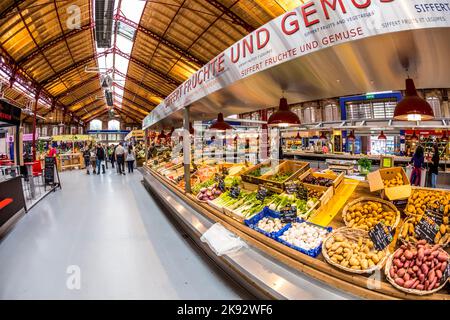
point(370, 96)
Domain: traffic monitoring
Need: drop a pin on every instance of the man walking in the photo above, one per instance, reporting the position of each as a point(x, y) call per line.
point(120, 158)
point(100, 158)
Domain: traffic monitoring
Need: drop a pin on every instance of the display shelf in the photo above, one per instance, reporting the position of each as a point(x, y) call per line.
point(70, 161)
point(316, 268)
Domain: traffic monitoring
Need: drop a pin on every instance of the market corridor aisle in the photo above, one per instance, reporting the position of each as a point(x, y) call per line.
point(111, 230)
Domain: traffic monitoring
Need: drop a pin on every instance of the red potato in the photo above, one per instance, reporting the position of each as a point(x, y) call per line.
point(420, 287)
point(427, 283)
point(438, 274)
point(399, 281)
point(415, 284)
point(432, 275)
point(406, 277)
point(444, 266)
point(432, 284)
point(415, 268)
point(408, 255)
point(418, 262)
point(425, 269)
point(392, 272)
point(411, 272)
point(408, 284)
point(406, 264)
point(398, 263)
point(421, 278)
point(401, 272)
point(399, 253)
point(427, 252)
point(437, 284)
point(442, 256)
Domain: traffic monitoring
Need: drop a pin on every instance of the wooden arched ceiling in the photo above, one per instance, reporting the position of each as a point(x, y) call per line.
point(172, 40)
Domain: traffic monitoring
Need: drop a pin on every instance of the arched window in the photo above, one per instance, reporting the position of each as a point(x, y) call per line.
point(55, 131)
point(113, 125)
point(95, 125)
point(44, 131)
point(331, 112)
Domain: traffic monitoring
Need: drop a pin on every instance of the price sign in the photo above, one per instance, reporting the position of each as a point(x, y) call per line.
point(235, 191)
point(291, 188)
point(261, 194)
point(446, 273)
point(427, 229)
point(436, 215)
point(288, 214)
point(381, 236)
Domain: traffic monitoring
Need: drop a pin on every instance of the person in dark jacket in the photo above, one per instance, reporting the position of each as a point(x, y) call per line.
point(100, 158)
point(417, 161)
point(87, 158)
point(434, 166)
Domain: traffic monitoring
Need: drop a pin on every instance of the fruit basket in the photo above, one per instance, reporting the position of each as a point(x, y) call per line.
point(408, 235)
point(365, 212)
point(414, 279)
point(339, 245)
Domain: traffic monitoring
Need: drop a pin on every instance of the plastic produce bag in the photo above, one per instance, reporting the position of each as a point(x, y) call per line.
point(222, 241)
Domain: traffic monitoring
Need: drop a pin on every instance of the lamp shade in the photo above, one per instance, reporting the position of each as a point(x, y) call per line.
point(322, 136)
point(414, 137)
point(283, 117)
point(412, 107)
point(220, 124)
point(351, 136)
point(298, 136)
point(162, 135)
point(382, 136)
point(444, 136)
point(191, 128)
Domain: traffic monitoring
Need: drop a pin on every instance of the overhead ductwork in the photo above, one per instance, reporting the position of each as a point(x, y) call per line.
point(109, 98)
point(104, 10)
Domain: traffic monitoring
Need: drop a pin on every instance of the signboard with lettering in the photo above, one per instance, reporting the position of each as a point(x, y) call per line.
point(9, 114)
point(313, 26)
point(427, 229)
point(49, 170)
point(381, 236)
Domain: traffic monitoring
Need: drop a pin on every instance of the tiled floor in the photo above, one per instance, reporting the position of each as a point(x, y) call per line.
point(107, 236)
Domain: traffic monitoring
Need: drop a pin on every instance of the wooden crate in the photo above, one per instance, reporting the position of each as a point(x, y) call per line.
point(251, 179)
point(337, 177)
point(296, 167)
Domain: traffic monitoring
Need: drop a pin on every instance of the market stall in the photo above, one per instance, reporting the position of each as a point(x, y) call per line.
point(69, 147)
point(376, 237)
point(12, 201)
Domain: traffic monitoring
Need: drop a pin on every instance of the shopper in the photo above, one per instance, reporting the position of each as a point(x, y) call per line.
point(110, 154)
point(93, 159)
point(100, 153)
point(434, 166)
point(130, 158)
point(120, 158)
point(105, 151)
point(87, 158)
point(417, 161)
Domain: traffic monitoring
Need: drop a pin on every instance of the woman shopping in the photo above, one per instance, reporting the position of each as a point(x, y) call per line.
point(434, 166)
point(130, 158)
point(417, 161)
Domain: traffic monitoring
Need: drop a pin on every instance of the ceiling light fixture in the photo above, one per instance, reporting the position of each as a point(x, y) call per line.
point(351, 136)
point(382, 136)
point(220, 124)
point(412, 107)
point(283, 117)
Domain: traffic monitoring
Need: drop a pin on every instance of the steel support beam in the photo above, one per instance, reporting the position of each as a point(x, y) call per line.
point(89, 94)
point(16, 3)
point(132, 93)
point(76, 87)
point(87, 118)
point(188, 56)
point(143, 65)
point(153, 91)
point(234, 17)
point(74, 66)
point(54, 42)
point(186, 150)
point(132, 116)
point(36, 99)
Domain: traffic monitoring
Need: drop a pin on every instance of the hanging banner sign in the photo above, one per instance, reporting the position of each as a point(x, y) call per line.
point(313, 26)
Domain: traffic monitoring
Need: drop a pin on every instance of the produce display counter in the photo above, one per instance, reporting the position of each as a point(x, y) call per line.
point(300, 265)
point(320, 156)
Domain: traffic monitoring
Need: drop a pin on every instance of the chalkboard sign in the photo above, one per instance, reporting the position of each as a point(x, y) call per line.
point(446, 273)
point(234, 192)
point(291, 188)
point(49, 171)
point(288, 214)
point(427, 229)
point(262, 193)
point(436, 215)
point(381, 236)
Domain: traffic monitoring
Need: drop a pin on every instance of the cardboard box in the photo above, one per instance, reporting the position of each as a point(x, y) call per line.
point(392, 193)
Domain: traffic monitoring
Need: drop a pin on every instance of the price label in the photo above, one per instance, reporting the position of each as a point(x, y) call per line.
point(291, 188)
point(427, 229)
point(235, 191)
point(381, 236)
point(261, 194)
point(288, 214)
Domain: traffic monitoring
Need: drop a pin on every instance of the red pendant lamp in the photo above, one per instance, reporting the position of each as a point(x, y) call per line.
point(444, 136)
point(322, 136)
point(283, 117)
point(162, 135)
point(191, 128)
point(382, 136)
point(351, 136)
point(414, 137)
point(298, 136)
point(220, 124)
point(412, 107)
